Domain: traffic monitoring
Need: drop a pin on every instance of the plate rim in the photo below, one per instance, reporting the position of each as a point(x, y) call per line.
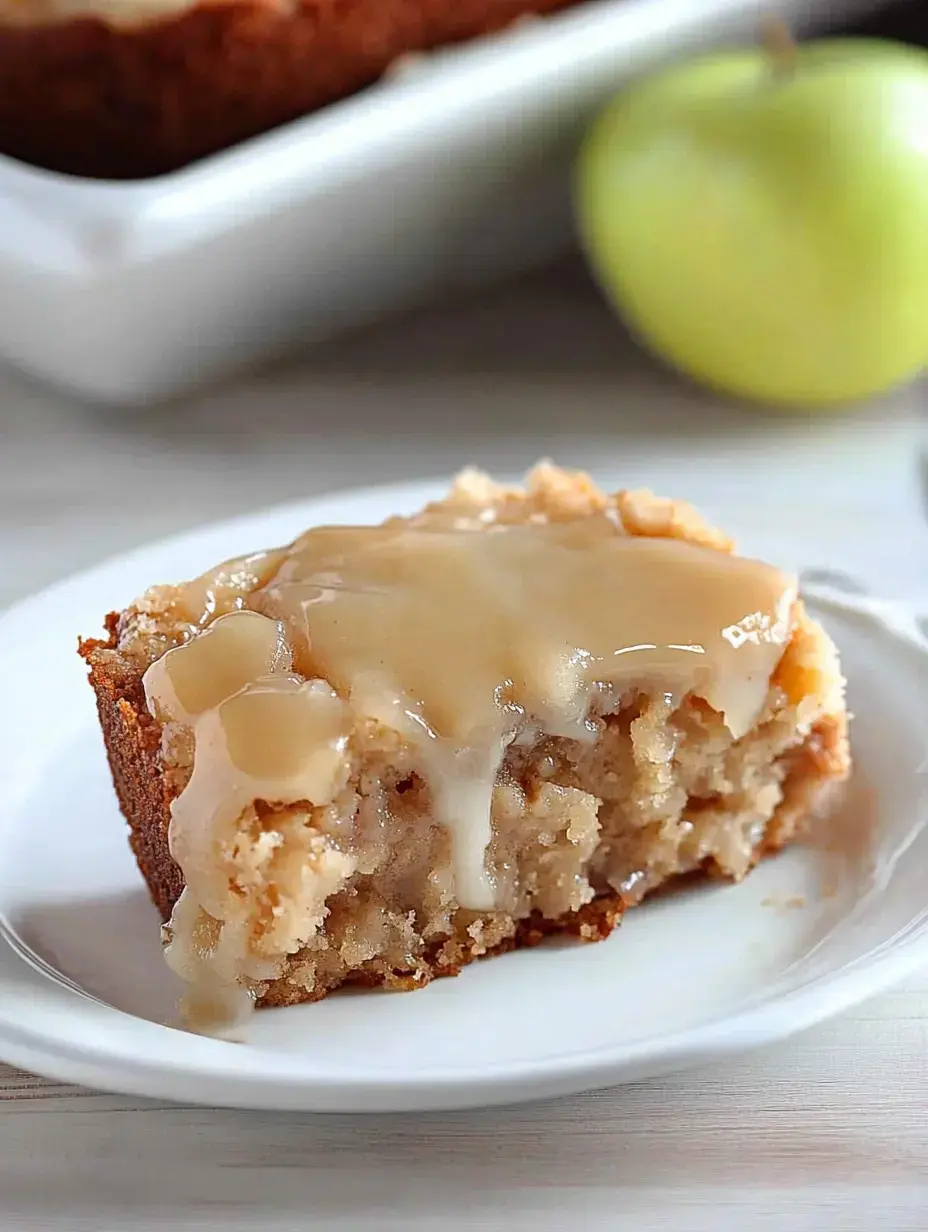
point(182, 1077)
point(227, 1086)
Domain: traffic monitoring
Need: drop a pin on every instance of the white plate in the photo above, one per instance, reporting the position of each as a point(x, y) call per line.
point(454, 175)
point(84, 993)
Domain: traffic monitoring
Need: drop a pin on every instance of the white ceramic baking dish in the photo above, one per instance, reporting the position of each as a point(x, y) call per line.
point(445, 176)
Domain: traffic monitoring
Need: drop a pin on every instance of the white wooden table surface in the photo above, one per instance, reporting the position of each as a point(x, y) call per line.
point(828, 1131)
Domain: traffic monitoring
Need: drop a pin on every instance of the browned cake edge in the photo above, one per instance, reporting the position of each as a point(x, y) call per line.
point(86, 98)
point(133, 748)
point(133, 745)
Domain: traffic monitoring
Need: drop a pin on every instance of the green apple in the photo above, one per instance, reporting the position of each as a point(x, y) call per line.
point(761, 219)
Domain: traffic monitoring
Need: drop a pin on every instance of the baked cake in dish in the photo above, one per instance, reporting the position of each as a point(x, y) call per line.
point(379, 753)
point(134, 88)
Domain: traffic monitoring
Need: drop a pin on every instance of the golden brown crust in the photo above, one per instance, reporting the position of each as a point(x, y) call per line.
point(593, 922)
point(122, 102)
point(133, 748)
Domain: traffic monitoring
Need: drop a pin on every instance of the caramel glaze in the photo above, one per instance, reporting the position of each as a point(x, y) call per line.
point(460, 637)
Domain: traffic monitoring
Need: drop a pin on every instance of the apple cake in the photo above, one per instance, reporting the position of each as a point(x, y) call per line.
point(133, 88)
point(379, 753)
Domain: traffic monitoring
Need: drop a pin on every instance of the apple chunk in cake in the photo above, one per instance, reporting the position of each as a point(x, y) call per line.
point(381, 752)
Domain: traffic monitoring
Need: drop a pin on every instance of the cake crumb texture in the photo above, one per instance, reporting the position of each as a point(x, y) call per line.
point(358, 890)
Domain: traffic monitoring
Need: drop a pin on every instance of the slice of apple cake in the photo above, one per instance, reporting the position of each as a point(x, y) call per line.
point(381, 752)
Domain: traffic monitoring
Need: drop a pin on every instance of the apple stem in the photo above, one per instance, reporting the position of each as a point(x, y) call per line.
point(779, 43)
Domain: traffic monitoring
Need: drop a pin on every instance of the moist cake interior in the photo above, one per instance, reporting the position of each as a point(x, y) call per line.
point(380, 753)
